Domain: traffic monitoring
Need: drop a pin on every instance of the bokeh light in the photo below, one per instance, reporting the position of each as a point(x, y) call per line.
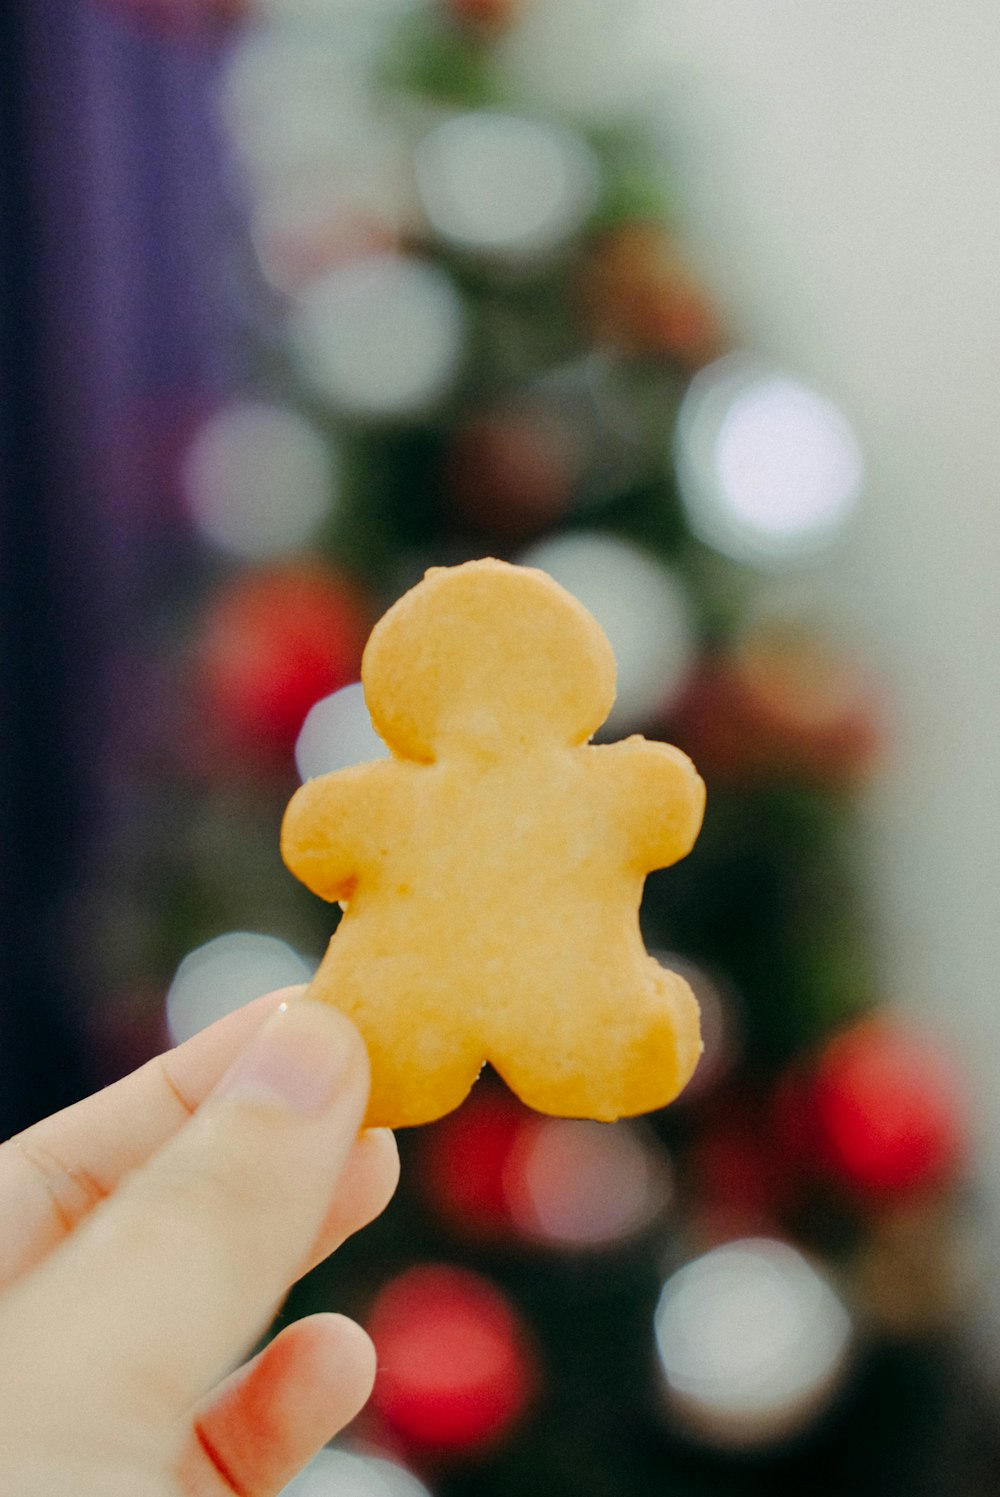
point(227, 972)
point(642, 608)
point(354, 1473)
point(573, 1184)
point(769, 469)
point(455, 1364)
point(510, 469)
point(305, 227)
point(888, 1109)
point(259, 480)
point(273, 641)
point(751, 1341)
point(296, 100)
point(379, 337)
point(502, 185)
point(598, 61)
point(337, 733)
point(328, 12)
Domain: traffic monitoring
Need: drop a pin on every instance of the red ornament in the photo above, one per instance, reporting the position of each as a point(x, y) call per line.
point(510, 471)
point(879, 1112)
point(465, 1159)
point(492, 15)
point(272, 643)
point(780, 704)
point(455, 1369)
point(636, 292)
point(740, 1182)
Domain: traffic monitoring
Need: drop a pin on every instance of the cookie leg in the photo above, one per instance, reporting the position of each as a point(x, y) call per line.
point(416, 1082)
point(418, 1071)
point(631, 1057)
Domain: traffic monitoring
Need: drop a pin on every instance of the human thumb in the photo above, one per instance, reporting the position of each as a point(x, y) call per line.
point(169, 1282)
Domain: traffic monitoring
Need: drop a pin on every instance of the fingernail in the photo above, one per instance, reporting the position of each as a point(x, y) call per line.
point(292, 1063)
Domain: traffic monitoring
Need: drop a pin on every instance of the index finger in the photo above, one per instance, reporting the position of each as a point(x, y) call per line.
point(54, 1172)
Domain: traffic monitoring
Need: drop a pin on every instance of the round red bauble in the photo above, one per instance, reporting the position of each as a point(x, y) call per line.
point(272, 643)
point(636, 292)
point(510, 471)
point(881, 1111)
point(455, 1368)
point(464, 1161)
point(490, 14)
point(739, 1183)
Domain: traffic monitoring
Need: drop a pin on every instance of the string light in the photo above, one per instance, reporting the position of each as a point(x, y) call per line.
point(379, 337)
point(224, 974)
point(581, 1185)
point(769, 469)
point(351, 1473)
point(304, 228)
point(337, 733)
point(642, 608)
point(751, 1342)
point(456, 1367)
point(598, 61)
point(500, 184)
point(293, 99)
point(258, 479)
point(330, 13)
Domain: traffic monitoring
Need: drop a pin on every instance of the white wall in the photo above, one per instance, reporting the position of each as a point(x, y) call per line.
point(839, 171)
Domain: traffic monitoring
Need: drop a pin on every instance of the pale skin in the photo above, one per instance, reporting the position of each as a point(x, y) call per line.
point(147, 1237)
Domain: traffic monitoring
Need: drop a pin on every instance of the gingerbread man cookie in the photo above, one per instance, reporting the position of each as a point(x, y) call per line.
point(491, 870)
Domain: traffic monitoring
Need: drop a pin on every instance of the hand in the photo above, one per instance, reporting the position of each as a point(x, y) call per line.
point(147, 1236)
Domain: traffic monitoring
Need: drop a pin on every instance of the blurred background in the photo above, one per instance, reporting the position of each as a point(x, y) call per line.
point(695, 307)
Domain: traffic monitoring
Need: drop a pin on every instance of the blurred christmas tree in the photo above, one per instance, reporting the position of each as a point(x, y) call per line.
point(472, 328)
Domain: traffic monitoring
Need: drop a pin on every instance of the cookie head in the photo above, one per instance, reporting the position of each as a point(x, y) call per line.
point(485, 657)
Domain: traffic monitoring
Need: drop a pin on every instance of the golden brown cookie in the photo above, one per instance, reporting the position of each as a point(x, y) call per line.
point(491, 870)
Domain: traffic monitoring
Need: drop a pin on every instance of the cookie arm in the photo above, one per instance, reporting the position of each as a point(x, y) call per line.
point(661, 800)
point(319, 832)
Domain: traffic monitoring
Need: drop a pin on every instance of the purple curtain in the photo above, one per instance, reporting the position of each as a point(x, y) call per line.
point(113, 318)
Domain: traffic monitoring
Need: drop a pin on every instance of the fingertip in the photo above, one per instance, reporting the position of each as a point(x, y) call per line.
point(381, 1142)
point(344, 1348)
point(334, 1358)
point(309, 1059)
point(366, 1186)
point(332, 1027)
point(370, 1176)
point(270, 1418)
point(196, 1064)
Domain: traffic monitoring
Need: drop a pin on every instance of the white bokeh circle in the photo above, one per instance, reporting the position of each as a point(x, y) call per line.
point(578, 1185)
point(769, 469)
point(224, 974)
point(595, 61)
point(751, 1342)
point(505, 185)
point(379, 337)
point(641, 605)
point(292, 99)
point(259, 480)
point(337, 733)
point(349, 1473)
